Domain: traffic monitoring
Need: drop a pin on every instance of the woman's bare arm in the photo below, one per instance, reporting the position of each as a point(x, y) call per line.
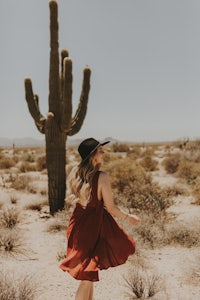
point(106, 192)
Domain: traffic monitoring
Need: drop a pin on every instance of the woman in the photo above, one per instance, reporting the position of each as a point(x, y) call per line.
point(95, 241)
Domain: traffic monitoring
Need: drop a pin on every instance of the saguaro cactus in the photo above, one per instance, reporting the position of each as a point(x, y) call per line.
point(59, 122)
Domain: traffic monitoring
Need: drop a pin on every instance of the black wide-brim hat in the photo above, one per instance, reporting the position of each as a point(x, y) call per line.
point(88, 146)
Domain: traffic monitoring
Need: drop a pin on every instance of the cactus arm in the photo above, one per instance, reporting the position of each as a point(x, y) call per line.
point(33, 106)
point(54, 60)
point(64, 54)
point(66, 112)
point(80, 114)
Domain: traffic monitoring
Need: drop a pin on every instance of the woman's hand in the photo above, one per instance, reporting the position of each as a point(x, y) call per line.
point(133, 219)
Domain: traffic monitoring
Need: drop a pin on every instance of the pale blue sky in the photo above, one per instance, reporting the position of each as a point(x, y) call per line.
point(144, 56)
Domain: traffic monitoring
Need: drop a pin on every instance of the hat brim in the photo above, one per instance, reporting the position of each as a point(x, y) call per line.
point(100, 144)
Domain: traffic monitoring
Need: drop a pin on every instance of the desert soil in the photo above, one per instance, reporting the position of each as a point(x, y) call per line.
point(177, 265)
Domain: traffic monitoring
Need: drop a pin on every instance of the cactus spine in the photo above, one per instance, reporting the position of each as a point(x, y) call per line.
point(59, 122)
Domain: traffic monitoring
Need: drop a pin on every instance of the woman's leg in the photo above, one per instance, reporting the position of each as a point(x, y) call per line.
point(91, 292)
point(84, 290)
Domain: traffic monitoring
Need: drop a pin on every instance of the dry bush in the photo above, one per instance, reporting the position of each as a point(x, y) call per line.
point(142, 284)
point(148, 163)
point(10, 242)
point(196, 191)
point(151, 231)
point(14, 199)
point(36, 204)
point(20, 182)
point(58, 222)
point(61, 255)
point(28, 157)
point(193, 146)
point(17, 288)
point(183, 235)
point(188, 170)
point(9, 217)
point(41, 163)
point(171, 163)
point(120, 147)
point(134, 188)
point(7, 163)
point(26, 167)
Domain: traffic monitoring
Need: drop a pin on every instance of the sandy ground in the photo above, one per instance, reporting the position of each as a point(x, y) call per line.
point(178, 266)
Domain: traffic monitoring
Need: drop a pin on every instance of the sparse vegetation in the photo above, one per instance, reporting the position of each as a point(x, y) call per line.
point(135, 189)
point(14, 287)
point(9, 217)
point(36, 204)
point(148, 163)
point(171, 163)
point(185, 236)
point(10, 242)
point(141, 283)
point(6, 163)
point(58, 222)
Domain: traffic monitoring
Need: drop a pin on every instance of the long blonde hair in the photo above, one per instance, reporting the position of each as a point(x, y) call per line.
point(80, 179)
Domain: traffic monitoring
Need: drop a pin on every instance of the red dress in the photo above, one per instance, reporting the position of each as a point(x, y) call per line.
point(95, 240)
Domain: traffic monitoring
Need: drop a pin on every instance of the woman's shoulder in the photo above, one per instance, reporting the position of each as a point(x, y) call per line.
point(103, 176)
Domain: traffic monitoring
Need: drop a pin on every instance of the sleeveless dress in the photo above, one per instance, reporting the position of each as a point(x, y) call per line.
point(95, 240)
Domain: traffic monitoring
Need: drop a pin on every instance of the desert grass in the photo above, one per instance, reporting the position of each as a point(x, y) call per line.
point(150, 233)
point(148, 163)
point(13, 287)
point(61, 255)
point(1, 203)
point(20, 182)
point(58, 222)
point(36, 204)
point(120, 147)
point(6, 163)
point(142, 283)
point(14, 199)
point(182, 235)
point(11, 242)
point(133, 187)
point(171, 162)
point(9, 217)
point(41, 163)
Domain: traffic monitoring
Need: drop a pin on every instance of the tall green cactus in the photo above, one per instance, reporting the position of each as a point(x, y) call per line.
point(59, 122)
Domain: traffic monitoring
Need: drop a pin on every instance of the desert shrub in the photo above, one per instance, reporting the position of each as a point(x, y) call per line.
point(41, 163)
point(196, 191)
point(151, 231)
point(188, 170)
point(6, 163)
point(193, 146)
point(26, 167)
point(13, 199)
point(142, 284)
point(20, 182)
point(36, 204)
point(10, 242)
point(17, 288)
point(9, 217)
point(1, 204)
point(171, 163)
point(58, 222)
point(183, 235)
point(148, 163)
point(28, 157)
point(123, 171)
point(61, 255)
point(120, 147)
point(134, 187)
point(149, 197)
